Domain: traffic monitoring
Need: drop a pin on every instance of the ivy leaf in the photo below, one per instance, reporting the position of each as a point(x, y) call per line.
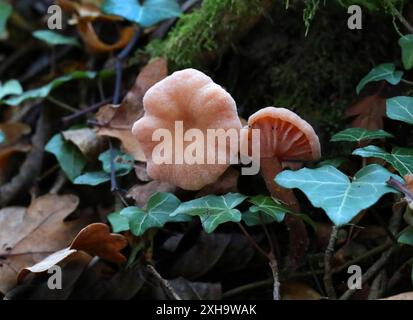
point(118, 222)
point(268, 206)
point(213, 210)
point(92, 178)
point(406, 44)
point(146, 14)
point(330, 189)
point(69, 157)
point(400, 108)
point(123, 163)
point(54, 38)
point(407, 237)
point(359, 134)
point(386, 71)
point(5, 12)
point(3, 137)
point(158, 213)
point(44, 91)
point(11, 87)
point(253, 219)
point(400, 158)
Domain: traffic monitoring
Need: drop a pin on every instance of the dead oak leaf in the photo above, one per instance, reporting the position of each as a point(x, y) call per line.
point(117, 120)
point(368, 113)
point(30, 234)
point(86, 139)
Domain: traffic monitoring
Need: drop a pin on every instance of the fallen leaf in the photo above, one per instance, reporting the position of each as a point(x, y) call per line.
point(292, 290)
point(97, 240)
point(368, 113)
point(117, 121)
point(401, 296)
point(31, 234)
point(142, 192)
point(86, 139)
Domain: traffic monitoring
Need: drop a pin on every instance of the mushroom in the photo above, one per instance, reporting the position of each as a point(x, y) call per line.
point(284, 136)
point(192, 98)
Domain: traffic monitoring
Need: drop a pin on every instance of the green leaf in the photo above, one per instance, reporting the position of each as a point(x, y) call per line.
point(119, 223)
point(335, 162)
point(44, 91)
point(331, 190)
point(2, 137)
point(5, 12)
point(69, 157)
point(359, 134)
point(407, 237)
point(11, 87)
point(123, 163)
point(406, 44)
point(93, 178)
point(400, 158)
point(146, 14)
point(54, 38)
point(158, 213)
point(400, 108)
point(268, 206)
point(386, 71)
point(213, 210)
point(253, 219)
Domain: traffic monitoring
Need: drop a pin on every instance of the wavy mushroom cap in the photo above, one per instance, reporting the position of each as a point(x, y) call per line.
point(283, 134)
point(193, 98)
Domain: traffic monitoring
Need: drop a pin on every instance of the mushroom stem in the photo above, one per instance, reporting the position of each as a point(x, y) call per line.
point(270, 167)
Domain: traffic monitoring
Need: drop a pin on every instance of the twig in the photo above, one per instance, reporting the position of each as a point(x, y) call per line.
point(247, 287)
point(396, 12)
point(113, 182)
point(59, 182)
point(328, 271)
point(61, 104)
point(79, 113)
point(30, 168)
point(378, 286)
point(164, 283)
point(274, 269)
point(407, 81)
point(252, 241)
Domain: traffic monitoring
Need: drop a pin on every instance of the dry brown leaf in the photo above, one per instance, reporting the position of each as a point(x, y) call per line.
point(86, 139)
point(142, 192)
point(30, 234)
point(97, 240)
point(85, 10)
point(368, 113)
point(117, 121)
point(292, 290)
point(226, 183)
point(401, 296)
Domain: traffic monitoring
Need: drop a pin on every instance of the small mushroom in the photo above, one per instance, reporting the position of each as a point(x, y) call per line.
point(284, 136)
point(193, 98)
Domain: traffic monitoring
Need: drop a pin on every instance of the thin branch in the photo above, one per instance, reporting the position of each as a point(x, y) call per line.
point(61, 104)
point(398, 14)
point(164, 283)
point(328, 270)
point(251, 240)
point(79, 113)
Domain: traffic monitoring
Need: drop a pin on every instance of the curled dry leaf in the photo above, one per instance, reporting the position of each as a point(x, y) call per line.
point(84, 13)
point(117, 121)
point(86, 139)
point(368, 113)
point(97, 240)
point(28, 235)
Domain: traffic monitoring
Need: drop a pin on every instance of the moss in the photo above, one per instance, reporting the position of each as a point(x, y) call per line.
point(207, 31)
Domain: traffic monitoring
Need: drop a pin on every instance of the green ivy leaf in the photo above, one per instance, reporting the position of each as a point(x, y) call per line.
point(123, 163)
point(331, 190)
point(53, 38)
point(11, 87)
point(407, 237)
point(213, 210)
point(2, 137)
point(400, 158)
point(386, 71)
point(5, 12)
point(92, 178)
point(146, 14)
point(157, 214)
point(268, 206)
point(406, 44)
point(69, 157)
point(253, 219)
point(44, 91)
point(359, 134)
point(118, 222)
point(400, 108)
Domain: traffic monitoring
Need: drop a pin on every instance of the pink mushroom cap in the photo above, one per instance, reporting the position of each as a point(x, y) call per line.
point(192, 97)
